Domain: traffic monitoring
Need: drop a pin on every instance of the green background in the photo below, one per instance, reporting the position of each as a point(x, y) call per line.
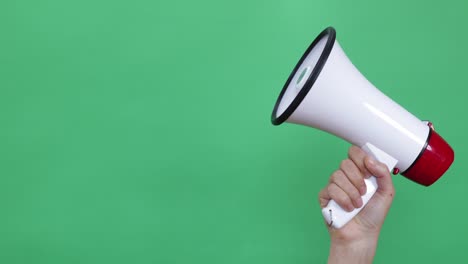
point(139, 131)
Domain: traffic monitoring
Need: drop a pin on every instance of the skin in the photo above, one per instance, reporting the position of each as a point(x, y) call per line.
point(356, 242)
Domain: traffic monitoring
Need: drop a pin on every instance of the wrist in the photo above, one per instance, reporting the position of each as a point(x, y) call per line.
point(355, 251)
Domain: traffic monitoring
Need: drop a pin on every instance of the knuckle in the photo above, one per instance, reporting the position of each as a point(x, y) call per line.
point(323, 193)
point(355, 195)
point(330, 189)
point(336, 195)
point(357, 178)
point(352, 150)
point(320, 200)
point(345, 202)
point(345, 163)
point(335, 191)
point(383, 170)
point(336, 176)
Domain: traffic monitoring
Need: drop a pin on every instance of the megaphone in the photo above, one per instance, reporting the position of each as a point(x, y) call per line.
point(327, 92)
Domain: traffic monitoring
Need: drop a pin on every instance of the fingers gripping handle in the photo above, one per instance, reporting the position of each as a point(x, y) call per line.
point(336, 216)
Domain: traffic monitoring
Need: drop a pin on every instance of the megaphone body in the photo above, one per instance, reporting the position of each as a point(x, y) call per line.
point(326, 91)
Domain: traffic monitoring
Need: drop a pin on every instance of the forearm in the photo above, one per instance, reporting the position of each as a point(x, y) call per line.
point(361, 252)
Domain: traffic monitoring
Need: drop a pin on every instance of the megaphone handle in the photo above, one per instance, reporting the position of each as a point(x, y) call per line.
point(336, 216)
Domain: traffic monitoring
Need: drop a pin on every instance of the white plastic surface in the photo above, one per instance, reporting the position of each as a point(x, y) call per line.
point(296, 85)
point(336, 216)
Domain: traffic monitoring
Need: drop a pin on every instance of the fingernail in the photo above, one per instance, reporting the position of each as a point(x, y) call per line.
point(371, 162)
point(362, 190)
point(358, 202)
point(349, 207)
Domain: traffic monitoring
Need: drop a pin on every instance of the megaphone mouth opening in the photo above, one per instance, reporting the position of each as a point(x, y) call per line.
point(308, 72)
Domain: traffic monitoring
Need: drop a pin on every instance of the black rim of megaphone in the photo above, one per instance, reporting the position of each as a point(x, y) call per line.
point(331, 33)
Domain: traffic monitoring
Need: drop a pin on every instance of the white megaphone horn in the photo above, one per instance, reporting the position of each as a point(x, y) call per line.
point(327, 92)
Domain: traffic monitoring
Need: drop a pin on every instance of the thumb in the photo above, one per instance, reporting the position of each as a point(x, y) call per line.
point(381, 173)
point(373, 215)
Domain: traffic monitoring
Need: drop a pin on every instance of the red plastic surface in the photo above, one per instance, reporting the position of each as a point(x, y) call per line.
point(433, 163)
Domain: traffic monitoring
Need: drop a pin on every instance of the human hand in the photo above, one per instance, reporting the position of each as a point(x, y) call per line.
point(358, 238)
